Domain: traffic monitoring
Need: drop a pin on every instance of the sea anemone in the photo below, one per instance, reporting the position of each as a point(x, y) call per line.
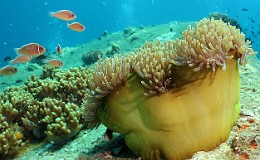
point(174, 98)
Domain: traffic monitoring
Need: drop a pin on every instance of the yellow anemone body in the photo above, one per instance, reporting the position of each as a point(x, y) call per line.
point(197, 114)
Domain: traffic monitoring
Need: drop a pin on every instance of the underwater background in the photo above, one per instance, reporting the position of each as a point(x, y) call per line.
point(23, 22)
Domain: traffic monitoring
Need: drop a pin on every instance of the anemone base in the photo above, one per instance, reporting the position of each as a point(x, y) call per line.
point(197, 115)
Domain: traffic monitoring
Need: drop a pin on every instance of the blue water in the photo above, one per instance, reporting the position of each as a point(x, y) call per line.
point(25, 21)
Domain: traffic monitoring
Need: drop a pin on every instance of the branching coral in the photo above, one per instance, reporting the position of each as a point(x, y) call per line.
point(49, 116)
point(11, 108)
point(54, 119)
point(172, 99)
point(10, 139)
point(70, 86)
point(46, 107)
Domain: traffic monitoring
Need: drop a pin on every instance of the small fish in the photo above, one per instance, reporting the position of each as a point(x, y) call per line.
point(65, 15)
point(8, 70)
point(244, 9)
point(8, 59)
point(18, 81)
point(58, 49)
point(54, 63)
point(253, 21)
point(76, 26)
point(21, 59)
point(31, 49)
point(41, 57)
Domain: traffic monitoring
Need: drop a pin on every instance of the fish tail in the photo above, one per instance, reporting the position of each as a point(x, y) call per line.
point(51, 14)
point(10, 62)
point(44, 61)
point(17, 51)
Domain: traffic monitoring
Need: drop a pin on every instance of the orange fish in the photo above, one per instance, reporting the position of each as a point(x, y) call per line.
point(21, 59)
point(76, 26)
point(8, 70)
point(59, 50)
point(31, 49)
point(66, 15)
point(55, 63)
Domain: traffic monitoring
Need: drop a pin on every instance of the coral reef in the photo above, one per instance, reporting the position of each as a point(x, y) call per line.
point(13, 101)
point(169, 98)
point(246, 141)
point(69, 86)
point(46, 108)
point(225, 18)
point(105, 34)
point(55, 112)
point(115, 49)
point(53, 119)
point(91, 56)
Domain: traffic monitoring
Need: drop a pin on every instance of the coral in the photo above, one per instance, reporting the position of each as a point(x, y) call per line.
point(54, 119)
point(174, 98)
point(91, 56)
point(105, 33)
point(11, 108)
point(18, 98)
point(225, 18)
point(10, 141)
point(129, 31)
point(115, 49)
point(70, 86)
point(58, 95)
point(46, 107)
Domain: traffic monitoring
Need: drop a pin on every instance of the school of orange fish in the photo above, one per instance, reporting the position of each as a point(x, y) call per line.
point(29, 51)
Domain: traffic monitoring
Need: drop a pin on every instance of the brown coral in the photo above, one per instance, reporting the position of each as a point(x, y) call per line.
point(70, 86)
point(46, 107)
point(53, 119)
point(91, 56)
point(165, 109)
point(11, 108)
point(49, 116)
point(225, 18)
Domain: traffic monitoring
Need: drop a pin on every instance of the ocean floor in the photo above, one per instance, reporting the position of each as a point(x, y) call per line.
point(243, 143)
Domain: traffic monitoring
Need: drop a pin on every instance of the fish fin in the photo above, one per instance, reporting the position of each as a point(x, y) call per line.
point(51, 14)
point(17, 51)
point(11, 62)
point(44, 61)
